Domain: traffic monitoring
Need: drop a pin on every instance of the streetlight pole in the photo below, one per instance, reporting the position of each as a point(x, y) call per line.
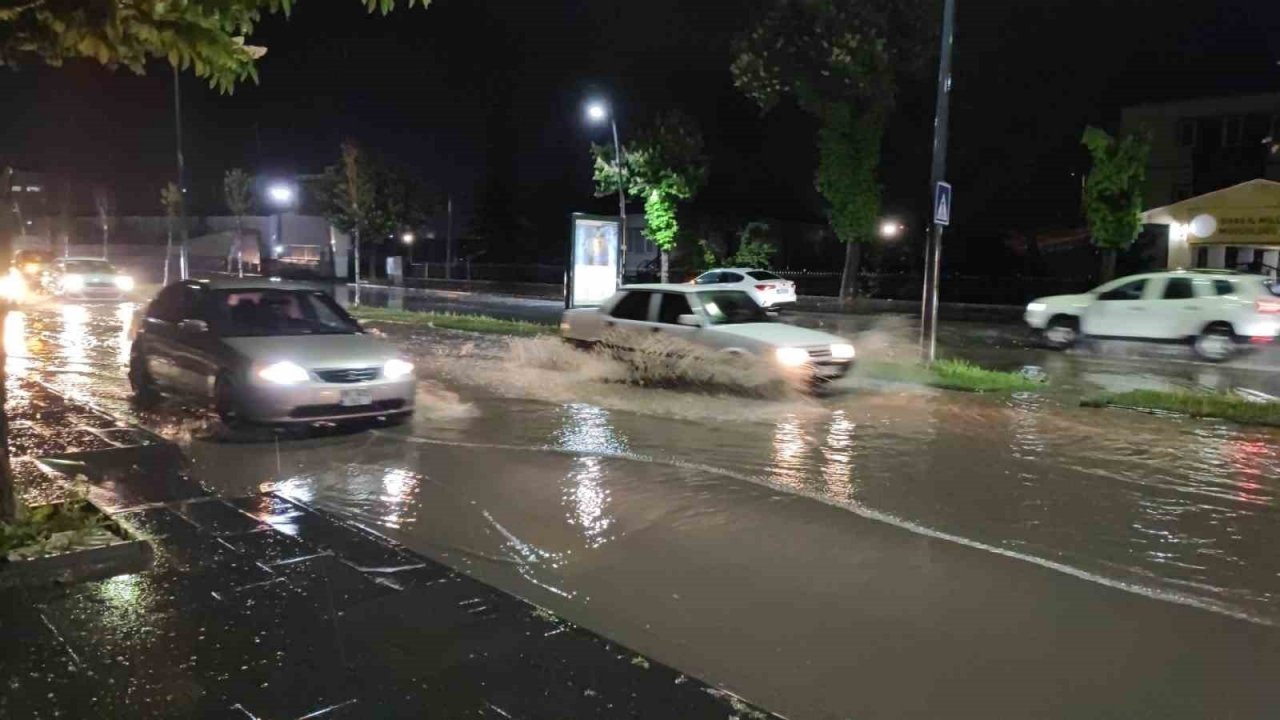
point(448, 240)
point(622, 199)
point(182, 177)
point(933, 245)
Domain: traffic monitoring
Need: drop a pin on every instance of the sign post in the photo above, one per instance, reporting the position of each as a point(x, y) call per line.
point(942, 200)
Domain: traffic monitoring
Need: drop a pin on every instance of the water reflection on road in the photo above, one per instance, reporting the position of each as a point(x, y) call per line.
point(1168, 504)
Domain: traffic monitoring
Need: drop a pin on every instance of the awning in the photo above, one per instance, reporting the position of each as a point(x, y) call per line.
point(1246, 215)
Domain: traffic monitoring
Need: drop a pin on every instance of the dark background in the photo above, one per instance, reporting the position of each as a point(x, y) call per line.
point(484, 99)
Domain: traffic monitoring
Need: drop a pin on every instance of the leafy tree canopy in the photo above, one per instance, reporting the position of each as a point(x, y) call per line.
point(665, 164)
point(387, 201)
point(1113, 189)
point(207, 36)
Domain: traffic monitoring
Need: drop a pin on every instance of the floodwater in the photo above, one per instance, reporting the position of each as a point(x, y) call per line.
point(811, 553)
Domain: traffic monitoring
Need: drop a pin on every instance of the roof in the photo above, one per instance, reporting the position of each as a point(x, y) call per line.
point(1250, 194)
point(254, 283)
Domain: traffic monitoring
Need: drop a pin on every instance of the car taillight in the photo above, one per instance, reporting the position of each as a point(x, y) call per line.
point(1268, 306)
point(762, 288)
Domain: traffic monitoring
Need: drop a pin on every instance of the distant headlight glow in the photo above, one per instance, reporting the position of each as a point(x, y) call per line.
point(74, 283)
point(792, 357)
point(1037, 307)
point(396, 369)
point(284, 373)
point(842, 351)
point(124, 282)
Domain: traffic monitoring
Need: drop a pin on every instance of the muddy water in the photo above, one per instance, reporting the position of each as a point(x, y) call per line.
point(649, 514)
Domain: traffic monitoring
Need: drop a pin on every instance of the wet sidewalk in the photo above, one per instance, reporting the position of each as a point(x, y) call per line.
point(259, 607)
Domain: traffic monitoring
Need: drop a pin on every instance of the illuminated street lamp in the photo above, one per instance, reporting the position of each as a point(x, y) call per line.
point(407, 238)
point(598, 112)
point(890, 229)
point(283, 196)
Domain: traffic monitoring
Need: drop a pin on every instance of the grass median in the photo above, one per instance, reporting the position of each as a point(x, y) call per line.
point(452, 321)
point(952, 375)
point(1220, 406)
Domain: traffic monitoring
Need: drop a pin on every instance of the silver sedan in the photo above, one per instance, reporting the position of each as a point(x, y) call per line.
point(269, 352)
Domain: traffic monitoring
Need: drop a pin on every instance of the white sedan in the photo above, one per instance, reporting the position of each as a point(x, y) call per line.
point(725, 320)
point(769, 290)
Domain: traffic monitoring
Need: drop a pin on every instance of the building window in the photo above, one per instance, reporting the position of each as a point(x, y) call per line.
point(1232, 258)
point(1232, 131)
point(1202, 257)
point(1187, 132)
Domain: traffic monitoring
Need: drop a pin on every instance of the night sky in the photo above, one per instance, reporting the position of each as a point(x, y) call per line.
point(476, 93)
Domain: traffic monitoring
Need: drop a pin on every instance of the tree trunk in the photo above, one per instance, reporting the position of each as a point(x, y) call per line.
point(1108, 264)
point(8, 499)
point(168, 253)
point(356, 245)
point(849, 278)
point(666, 265)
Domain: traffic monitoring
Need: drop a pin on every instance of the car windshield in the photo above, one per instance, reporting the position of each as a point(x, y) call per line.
point(763, 275)
point(90, 267)
point(261, 313)
point(731, 307)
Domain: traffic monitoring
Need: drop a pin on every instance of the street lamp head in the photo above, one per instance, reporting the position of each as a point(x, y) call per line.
point(890, 228)
point(281, 194)
point(407, 238)
point(597, 111)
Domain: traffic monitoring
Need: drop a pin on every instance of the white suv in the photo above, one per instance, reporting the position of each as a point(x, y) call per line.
point(1214, 310)
point(770, 291)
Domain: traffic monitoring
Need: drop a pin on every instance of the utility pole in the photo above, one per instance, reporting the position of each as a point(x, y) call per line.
point(938, 174)
point(448, 239)
point(182, 177)
point(622, 201)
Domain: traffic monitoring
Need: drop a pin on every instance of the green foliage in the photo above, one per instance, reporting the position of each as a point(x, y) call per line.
point(368, 195)
point(171, 199)
point(206, 36)
point(950, 375)
point(36, 527)
point(450, 321)
point(754, 248)
point(1113, 189)
point(848, 155)
point(237, 191)
point(1195, 404)
point(664, 165)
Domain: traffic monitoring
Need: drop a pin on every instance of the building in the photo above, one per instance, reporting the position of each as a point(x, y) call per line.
point(1199, 146)
point(1235, 228)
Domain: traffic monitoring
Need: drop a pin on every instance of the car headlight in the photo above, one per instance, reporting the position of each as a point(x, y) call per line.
point(13, 286)
point(124, 282)
point(396, 369)
point(284, 373)
point(842, 351)
point(1037, 307)
point(73, 282)
point(791, 357)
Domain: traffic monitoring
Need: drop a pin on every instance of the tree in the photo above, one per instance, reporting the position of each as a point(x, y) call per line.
point(171, 199)
point(236, 191)
point(104, 204)
point(754, 248)
point(207, 36)
point(664, 165)
point(1113, 192)
point(840, 60)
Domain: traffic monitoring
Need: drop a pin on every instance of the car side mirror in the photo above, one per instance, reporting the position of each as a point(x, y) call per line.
point(194, 327)
point(689, 320)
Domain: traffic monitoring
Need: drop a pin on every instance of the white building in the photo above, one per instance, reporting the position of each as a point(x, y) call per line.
point(1236, 228)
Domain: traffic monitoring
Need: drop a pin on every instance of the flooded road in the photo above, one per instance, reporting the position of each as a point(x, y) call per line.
point(877, 551)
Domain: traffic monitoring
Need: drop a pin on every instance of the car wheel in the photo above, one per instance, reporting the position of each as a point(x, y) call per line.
point(140, 380)
point(1216, 343)
point(225, 402)
point(1062, 332)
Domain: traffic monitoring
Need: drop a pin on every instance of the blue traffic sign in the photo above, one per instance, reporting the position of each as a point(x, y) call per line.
point(942, 204)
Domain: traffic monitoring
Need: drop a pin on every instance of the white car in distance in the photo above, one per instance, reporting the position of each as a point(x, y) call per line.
point(1216, 311)
point(769, 290)
point(726, 320)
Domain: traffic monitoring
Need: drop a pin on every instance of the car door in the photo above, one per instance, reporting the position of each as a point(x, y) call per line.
point(671, 306)
point(1178, 307)
point(198, 352)
point(1119, 311)
point(630, 318)
point(156, 341)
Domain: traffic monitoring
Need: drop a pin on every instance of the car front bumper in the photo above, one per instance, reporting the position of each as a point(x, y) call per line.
point(326, 402)
point(106, 294)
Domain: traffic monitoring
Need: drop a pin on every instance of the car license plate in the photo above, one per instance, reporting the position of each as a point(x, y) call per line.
point(784, 291)
point(353, 398)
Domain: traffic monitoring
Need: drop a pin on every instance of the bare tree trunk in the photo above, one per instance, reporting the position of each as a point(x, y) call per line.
point(666, 264)
point(356, 245)
point(1108, 264)
point(168, 252)
point(849, 278)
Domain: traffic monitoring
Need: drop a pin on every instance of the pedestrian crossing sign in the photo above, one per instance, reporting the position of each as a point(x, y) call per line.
point(942, 204)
